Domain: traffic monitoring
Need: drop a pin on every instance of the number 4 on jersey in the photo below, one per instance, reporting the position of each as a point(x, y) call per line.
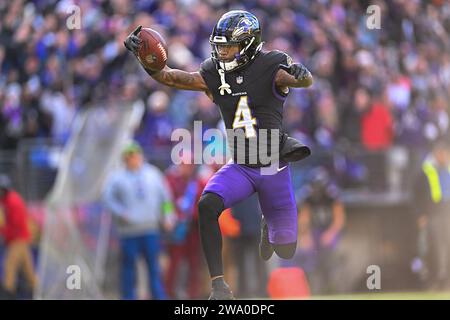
point(243, 118)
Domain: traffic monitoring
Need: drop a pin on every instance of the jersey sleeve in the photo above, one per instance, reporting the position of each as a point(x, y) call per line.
point(275, 59)
point(280, 57)
point(207, 69)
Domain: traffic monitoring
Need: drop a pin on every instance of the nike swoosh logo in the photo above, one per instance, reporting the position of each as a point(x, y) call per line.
point(279, 169)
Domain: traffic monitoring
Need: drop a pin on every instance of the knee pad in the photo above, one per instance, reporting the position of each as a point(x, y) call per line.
point(210, 205)
point(285, 251)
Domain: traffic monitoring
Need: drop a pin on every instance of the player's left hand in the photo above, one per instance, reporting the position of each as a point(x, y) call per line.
point(298, 70)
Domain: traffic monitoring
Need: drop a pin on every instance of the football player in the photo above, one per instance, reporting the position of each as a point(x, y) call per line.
point(250, 86)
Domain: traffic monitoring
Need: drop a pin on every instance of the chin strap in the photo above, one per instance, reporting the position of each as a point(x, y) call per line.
point(225, 87)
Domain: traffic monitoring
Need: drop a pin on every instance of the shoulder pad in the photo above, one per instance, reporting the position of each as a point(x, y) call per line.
point(208, 66)
point(277, 56)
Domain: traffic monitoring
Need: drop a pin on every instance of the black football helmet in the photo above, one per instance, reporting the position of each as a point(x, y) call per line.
point(236, 27)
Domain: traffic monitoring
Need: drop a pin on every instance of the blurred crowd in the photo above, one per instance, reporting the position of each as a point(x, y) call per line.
point(373, 87)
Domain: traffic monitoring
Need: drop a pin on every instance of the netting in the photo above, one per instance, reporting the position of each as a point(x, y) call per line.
point(76, 230)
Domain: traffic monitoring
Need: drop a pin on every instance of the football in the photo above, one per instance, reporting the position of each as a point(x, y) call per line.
point(153, 50)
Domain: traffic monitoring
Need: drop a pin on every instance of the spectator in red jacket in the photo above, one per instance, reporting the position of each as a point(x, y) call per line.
point(17, 236)
point(377, 137)
point(377, 127)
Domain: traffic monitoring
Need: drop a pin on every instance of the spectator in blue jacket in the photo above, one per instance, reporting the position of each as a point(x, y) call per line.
point(139, 198)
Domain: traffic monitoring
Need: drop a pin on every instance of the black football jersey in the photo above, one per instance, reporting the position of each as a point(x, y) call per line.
point(253, 104)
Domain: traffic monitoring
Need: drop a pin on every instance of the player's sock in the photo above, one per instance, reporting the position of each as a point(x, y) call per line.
point(210, 207)
point(265, 247)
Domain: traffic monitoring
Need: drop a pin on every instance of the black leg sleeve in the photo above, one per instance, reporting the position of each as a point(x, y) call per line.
point(210, 207)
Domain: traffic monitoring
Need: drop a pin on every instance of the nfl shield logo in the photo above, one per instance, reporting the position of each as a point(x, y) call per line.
point(239, 79)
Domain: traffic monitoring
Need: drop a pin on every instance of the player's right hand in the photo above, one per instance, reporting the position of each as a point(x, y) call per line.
point(132, 42)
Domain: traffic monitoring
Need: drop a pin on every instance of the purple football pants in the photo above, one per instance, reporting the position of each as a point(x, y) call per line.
point(234, 182)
